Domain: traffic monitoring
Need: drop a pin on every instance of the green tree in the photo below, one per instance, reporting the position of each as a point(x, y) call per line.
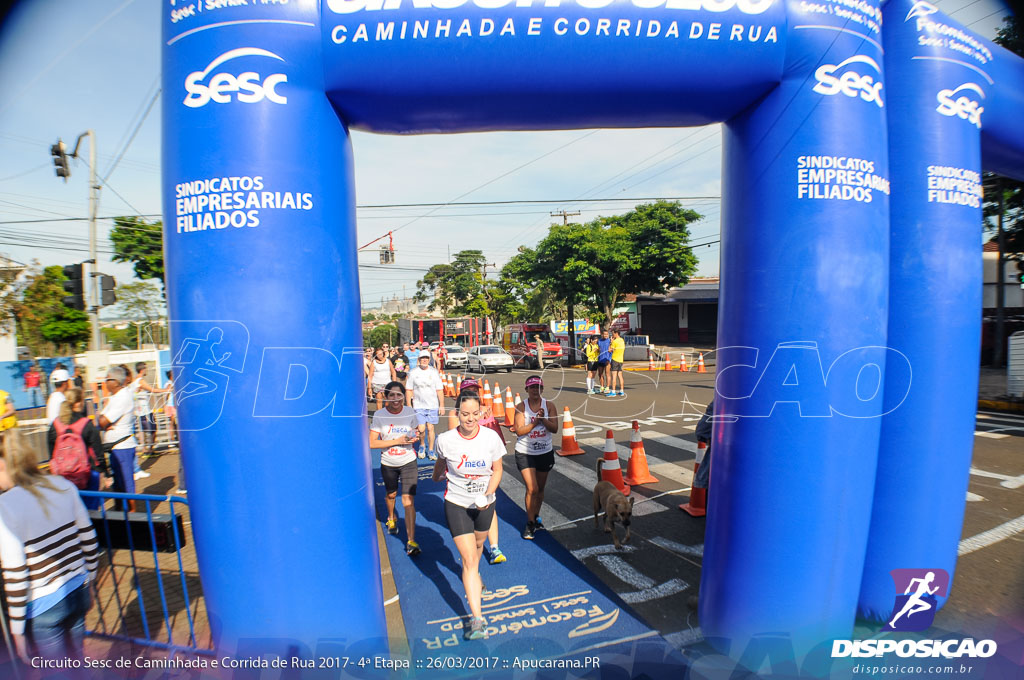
point(121, 338)
point(383, 334)
point(1010, 36)
point(44, 324)
point(143, 303)
point(456, 288)
point(644, 250)
point(141, 243)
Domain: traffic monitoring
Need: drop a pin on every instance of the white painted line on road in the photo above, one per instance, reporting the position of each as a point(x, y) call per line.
point(658, 467)
point(684, 637)
point(987, 538)
point(583, 553)
point(669, 440)
point(990, 435)
point(996, 415)
point(973, 497)
point(625, 572)
point(1008, 481)
point(664, 590)
point(672, 546)
point(517, 492)
point(1005, 429)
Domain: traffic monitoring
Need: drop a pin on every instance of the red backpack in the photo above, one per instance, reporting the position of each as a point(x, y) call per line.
point(70, 458)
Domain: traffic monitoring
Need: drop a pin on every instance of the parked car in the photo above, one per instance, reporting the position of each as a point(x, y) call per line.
point(457, 357)
point(484, 358)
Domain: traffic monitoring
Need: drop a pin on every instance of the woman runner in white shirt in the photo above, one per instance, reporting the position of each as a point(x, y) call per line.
point(393, 429)
point(381, 372)
point(470, 458)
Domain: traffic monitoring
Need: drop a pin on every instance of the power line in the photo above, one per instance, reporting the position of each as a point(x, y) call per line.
point(131, 138)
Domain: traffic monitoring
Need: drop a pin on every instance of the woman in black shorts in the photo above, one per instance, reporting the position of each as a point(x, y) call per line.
point(469, 457)
point(393, 429)
point(535, 421)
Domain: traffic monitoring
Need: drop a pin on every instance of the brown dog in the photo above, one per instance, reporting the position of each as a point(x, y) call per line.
point(617, 508)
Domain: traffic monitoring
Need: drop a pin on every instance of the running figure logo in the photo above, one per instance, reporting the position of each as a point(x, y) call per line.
point(915, 608)
point(207, 353)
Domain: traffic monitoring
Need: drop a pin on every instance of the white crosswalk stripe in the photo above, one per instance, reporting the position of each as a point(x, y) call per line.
point(517, 492)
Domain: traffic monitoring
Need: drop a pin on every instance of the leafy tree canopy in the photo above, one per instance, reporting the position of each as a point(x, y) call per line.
point(142, 244)
point(44, 323)
point(456, 288)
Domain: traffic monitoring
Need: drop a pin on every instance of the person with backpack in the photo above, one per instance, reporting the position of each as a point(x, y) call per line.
point(74, 442)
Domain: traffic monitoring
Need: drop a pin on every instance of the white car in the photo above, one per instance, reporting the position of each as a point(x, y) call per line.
point(484, 358)
point(457, 357)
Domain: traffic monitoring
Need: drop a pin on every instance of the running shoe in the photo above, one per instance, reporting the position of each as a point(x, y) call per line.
point(412, 549)
point(421, 453)
point(392, 526)
point(475, 630)
point(141, 474)
point(495, 556)
point(538, 524)
point(529, 531)
point(181, 492)
point(432, 455)
point(622, 394)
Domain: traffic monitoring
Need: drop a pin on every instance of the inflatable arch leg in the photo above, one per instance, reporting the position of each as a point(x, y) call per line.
point(803, 310)
point(264, 294)
point(935, 288)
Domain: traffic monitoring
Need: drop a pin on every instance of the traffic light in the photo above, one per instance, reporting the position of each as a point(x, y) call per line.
point(60, 160)
point(75, 286)
point(107, 296)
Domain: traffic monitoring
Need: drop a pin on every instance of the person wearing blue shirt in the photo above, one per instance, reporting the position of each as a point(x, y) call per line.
point(604, 358)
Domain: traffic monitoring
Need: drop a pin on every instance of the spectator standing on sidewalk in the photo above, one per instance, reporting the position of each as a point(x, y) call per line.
point(604, 358)
point(116, 422)
point(60, 380)
point(618, 355)
point(49, 554)
point(31, 379)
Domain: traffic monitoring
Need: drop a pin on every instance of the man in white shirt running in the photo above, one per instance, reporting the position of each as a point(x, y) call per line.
point(425, 393)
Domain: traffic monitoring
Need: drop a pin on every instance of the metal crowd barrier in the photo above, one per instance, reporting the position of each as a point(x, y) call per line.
point(160, 593)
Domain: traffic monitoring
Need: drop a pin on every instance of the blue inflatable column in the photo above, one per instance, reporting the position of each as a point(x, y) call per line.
point(935, 295)
point(259, 238)
point(801, 333)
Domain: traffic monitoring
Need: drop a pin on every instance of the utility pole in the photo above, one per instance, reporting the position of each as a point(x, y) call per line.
point(93, 293)
point(483, 287)
point(565, 216)
point(998, 352)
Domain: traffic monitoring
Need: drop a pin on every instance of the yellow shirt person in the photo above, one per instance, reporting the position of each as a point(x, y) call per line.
point(618, 348)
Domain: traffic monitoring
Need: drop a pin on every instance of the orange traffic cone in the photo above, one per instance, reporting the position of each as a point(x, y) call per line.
point(609, 468)
point(698, 503)
point(498, 406)
point(650, 360)
point(485, 395)
point(682, 364)
point(517, 402)
point(637, 471)
point(700, 364)
point(570, 447)
point(668, 362)
point(449, 388)
point(453, 420)
point(510, 408)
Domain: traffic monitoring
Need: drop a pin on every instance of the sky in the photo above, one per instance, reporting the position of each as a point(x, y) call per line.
point(71, 65)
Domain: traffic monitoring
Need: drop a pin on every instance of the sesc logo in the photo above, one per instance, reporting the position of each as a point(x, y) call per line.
point(921, 9)
point(850, 83)
point(221, 88)
point(962, 107)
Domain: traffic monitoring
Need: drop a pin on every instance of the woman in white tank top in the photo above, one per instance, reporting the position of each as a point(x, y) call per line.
point(536, 420)
point(382, 372)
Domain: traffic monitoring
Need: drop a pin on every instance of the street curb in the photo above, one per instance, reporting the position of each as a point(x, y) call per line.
point(1007, 406)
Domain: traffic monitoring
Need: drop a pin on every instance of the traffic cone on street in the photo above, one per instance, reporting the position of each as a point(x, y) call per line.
point(650, 360)
point(682, 364)
point(486, 395)
point(700, 364)
point(453, 420)
point(637, 471)
point(497, 405)
point(449, 387)
point(517, 402)
point(668, 362)
point(698, 503)
point(510, 408)
point(570, 447)
point(610, 469)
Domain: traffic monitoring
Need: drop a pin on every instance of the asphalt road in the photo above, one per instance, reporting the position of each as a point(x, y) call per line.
point(661, 567)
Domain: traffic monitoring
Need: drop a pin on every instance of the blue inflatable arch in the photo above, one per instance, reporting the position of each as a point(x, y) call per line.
point(851, 279)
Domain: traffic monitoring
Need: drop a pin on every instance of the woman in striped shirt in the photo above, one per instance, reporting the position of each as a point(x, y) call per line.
point(48, 551)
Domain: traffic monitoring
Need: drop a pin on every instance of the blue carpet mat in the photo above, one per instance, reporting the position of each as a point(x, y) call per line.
point(547, 614)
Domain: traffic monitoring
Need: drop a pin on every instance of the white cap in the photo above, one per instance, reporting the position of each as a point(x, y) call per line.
point(60, 375)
